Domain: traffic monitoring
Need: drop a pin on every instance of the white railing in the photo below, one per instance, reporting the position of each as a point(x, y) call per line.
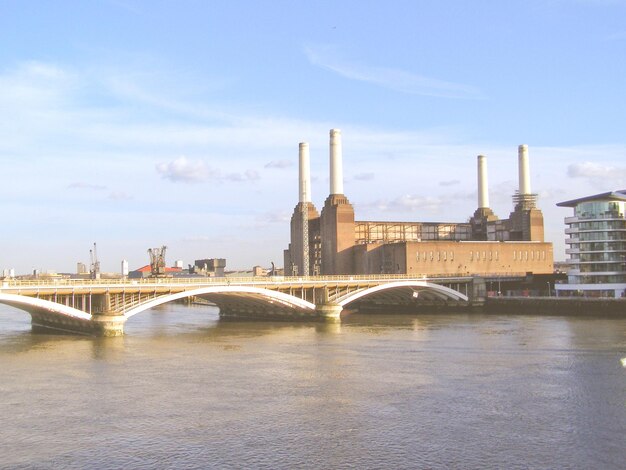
point(60, 282)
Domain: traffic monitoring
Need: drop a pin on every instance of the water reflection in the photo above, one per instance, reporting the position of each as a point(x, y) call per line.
point(185, 389)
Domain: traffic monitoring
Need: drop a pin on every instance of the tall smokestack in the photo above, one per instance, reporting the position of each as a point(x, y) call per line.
point(305, 173)
point(524, 169)
point(483, 184)
point(336, 168)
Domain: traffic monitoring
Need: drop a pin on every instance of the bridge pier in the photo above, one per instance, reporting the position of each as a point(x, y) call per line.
point(99, 325)
point(108, 325)
point(328, 312)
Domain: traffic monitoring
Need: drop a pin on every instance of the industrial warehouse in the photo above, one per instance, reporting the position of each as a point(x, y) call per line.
point(333, 242)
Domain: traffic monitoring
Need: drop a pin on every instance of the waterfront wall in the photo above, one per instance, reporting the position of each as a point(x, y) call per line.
point(555, 306)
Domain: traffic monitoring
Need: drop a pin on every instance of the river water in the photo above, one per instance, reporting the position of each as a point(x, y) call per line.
point(183, 389)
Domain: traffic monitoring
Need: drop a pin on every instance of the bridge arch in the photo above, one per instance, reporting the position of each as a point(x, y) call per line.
point(242, 292)
point(439, 290)
point(34, 305)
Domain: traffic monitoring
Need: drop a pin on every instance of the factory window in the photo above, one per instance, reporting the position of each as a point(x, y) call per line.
point(526, 255)
point(532, 255)
point(490, 255)
point(417, 256)
point(431, 255)
point(484, 255)
point(520, 255)
point(452, 256)
point(477, 256)
point(444, 256)
point(537, 255)
point(471, 256)
point(543, 255)
point(496, 255)
point(514, 255)
point(439, 256)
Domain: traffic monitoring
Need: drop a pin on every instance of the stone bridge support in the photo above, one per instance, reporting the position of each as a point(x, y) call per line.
point(326, 308)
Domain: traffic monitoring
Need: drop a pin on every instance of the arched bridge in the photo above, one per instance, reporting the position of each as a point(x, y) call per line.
point(103, 306)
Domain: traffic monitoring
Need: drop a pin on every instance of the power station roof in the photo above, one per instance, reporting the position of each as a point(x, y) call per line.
point(610, 196)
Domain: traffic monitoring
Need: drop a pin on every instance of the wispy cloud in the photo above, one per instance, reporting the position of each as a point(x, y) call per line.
point(196, 238)
point(391, 78)
point(248, 175)
point(449, 183)
point(368, 176)
point(120, 196)
point(83, 185)
point(407, 203)
point(277, 217)
point(599, 175)
point(279, 164)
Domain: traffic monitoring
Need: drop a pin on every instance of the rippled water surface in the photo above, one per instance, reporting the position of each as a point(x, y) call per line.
point(183, 389)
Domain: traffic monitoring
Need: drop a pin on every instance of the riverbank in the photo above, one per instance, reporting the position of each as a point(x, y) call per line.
point(555, 306)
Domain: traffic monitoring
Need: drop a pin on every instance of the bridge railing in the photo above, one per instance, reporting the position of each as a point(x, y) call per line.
point(58, 282)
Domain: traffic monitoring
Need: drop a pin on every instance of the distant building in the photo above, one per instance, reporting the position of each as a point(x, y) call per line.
point(8, 273)
point(259, 271)
point(81, 268)
point(596, 236)
point(212, 267)
point(124, 269)
point(146, 271)
point(333, 242)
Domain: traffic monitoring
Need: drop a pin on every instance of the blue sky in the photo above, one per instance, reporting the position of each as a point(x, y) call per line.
point(137, 124)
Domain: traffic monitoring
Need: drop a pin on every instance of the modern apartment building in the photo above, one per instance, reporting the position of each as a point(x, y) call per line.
point(596, 239)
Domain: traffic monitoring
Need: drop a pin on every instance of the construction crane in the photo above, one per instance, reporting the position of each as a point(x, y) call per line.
point(157, 261)
point(94, 268)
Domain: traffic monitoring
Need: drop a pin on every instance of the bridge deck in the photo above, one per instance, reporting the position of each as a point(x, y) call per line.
point(72, 302)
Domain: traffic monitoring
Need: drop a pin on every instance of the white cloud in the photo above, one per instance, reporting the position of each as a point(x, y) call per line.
point(599, 175)
point(393, 79)
point(185, 170)
point(279, 164)
point(407, 203)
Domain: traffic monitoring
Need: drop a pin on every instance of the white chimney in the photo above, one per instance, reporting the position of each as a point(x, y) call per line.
point(305, 173)
point(524, 170)
point(336, 168)
point(483, 184)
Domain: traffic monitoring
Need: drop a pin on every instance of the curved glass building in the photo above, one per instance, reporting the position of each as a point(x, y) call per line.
point(596, 239)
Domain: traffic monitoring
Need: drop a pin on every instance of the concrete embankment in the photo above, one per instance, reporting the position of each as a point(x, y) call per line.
point(555, 306)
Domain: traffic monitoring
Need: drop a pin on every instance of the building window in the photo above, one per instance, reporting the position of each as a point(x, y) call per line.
point(452, 256)
point(496, 255)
